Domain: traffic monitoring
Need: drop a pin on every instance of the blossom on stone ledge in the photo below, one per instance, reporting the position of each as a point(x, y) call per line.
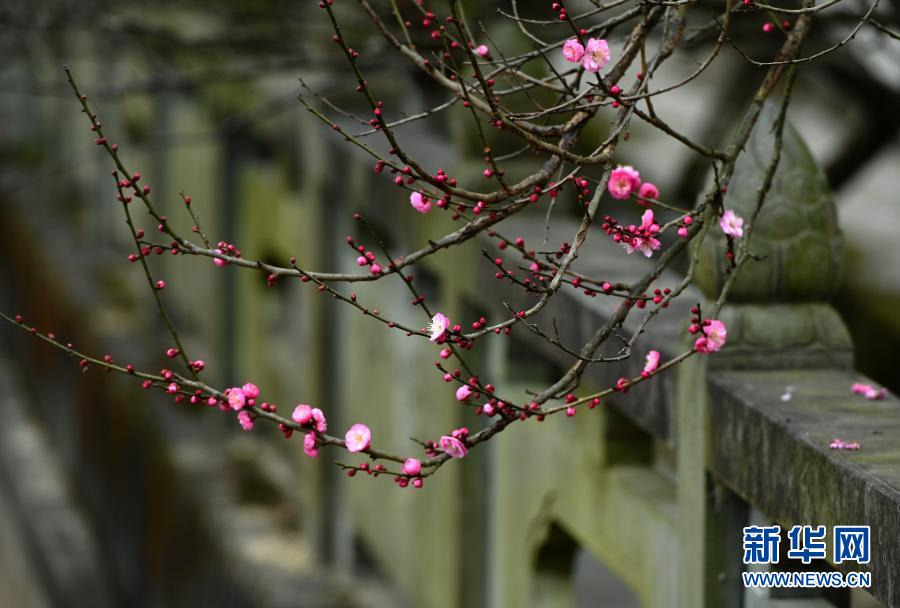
point(840, 444)
point(868, 391)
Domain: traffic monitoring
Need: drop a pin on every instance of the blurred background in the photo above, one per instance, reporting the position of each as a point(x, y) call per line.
point(114, 496)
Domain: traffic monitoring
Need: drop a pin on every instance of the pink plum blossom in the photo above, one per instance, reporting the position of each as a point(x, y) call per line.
point(236, 398)
point(412, 466)
point(643, 238)
point(840, 444)
point(876, 394)
point(868, 391)
point(219, 261)
point(648, 190)
point(482, 50)
point(250, 390)
point(319, 418)
point(309, 445)
point(859, 388)
point(732, 224)
point(572, 50)
point(302, 414)
point(713, 339)
point(651, 362)
point(438, 327)
point(463, 393)
point(453, 446)
point(623, 181)
point(419, 202)
point(245, 420)
point(358, 438)
point(596, 55)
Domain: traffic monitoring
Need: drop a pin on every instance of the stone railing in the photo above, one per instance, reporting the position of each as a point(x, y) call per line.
point(656, 484)
point(660, 483)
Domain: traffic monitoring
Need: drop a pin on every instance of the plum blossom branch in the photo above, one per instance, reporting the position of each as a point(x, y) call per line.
point(545, 113)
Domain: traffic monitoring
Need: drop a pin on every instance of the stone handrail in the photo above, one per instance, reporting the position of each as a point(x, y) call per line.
point(658, 484)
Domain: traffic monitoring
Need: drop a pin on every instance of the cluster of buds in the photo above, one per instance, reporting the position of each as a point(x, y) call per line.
point(641, 238)
point(365, 257)
point(225, 248)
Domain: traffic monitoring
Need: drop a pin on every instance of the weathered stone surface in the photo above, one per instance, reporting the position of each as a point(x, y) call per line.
point(776, 315)
point(775, 454)
point(784, 335)
point(796, 232)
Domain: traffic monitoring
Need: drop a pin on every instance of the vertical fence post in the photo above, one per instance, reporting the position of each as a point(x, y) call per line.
point(777, 317)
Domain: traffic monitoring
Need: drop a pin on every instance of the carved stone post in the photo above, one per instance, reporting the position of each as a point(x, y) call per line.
point(778, 314)
point(777, 317)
